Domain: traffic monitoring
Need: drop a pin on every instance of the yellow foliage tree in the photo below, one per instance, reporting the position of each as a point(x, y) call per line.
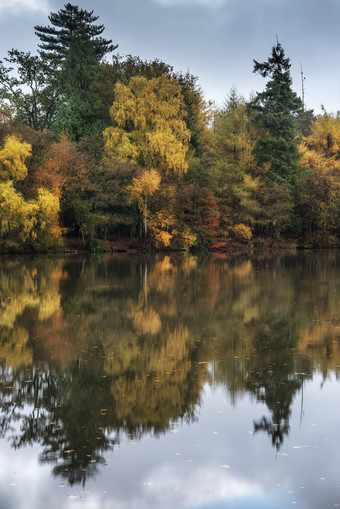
point(23, 221)
point(319, 195)
point(142, 187)
point(17, 216)
point(12, 159)
point(49, 232)
point(150, 131)
point(163, 229)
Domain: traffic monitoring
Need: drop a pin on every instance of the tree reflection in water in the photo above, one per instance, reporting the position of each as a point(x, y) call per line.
point(94, 352)
point(273, 379)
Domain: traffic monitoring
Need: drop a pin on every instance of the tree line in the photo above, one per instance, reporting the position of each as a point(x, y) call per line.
point(96, 145)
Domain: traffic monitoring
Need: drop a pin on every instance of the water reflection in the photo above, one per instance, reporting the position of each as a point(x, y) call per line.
point(95, 351)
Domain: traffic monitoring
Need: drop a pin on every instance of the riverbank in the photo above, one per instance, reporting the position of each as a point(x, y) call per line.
point(133, 245)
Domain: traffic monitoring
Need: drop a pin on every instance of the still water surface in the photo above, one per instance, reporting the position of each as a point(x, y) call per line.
point(172, 382)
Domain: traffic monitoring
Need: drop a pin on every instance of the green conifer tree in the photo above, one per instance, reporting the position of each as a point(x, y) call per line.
point(74, 39)
point(67, 25)
point(276, 109)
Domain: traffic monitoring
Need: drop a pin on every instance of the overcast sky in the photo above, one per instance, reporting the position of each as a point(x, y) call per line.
point(215, 40)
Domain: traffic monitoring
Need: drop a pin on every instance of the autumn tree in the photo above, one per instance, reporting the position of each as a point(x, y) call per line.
point(120, 70)
point(24, 222)
point(63, 168)
point(236, 179)
point(318, 194)
point(64, 172)
point(149, 130)
point(12, 159)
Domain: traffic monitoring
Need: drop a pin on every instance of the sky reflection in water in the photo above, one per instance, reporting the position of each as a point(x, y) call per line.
point(170, 383)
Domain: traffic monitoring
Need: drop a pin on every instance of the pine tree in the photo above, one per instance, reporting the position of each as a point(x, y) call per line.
point(276, 110)
point(74, 40)
point(68, 25)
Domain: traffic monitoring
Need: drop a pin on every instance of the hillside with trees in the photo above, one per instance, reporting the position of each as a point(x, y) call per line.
point(100, 147)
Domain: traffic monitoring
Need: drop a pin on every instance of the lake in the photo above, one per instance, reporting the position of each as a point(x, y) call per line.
point(173, 381)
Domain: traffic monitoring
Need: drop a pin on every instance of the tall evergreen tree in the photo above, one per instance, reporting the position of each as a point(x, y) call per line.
point(74, 40)
point(67, 25)
point(276, 109)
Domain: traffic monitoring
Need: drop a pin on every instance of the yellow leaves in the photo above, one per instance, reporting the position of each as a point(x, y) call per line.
point(187, 237)
point(320, 193)
point(146, 184)
point(146, 321)
point(319, 163)
point(163, 238)
point(124, 106)
point(15, 213)
point(23, 219)
point(165, 149)
point(13, 349)
point(321, 149)
point(118, 144)
point(47, 214)
point(241, 231)
point(48, 205)
point(163, 229)
point(12, 159)
point(151, 128)
point(325, 137)
point(244, 269)
point(48, 208)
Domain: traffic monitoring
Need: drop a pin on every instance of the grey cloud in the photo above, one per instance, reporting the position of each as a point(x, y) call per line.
point(191, 3)
point(15, 7)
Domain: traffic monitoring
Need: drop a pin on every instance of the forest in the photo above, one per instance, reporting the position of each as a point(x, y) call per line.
point(99, 147)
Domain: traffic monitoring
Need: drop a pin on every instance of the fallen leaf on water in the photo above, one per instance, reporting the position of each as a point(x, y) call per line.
point(225, 466)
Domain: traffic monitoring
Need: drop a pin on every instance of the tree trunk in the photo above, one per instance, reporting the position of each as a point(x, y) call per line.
point(145, 208)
